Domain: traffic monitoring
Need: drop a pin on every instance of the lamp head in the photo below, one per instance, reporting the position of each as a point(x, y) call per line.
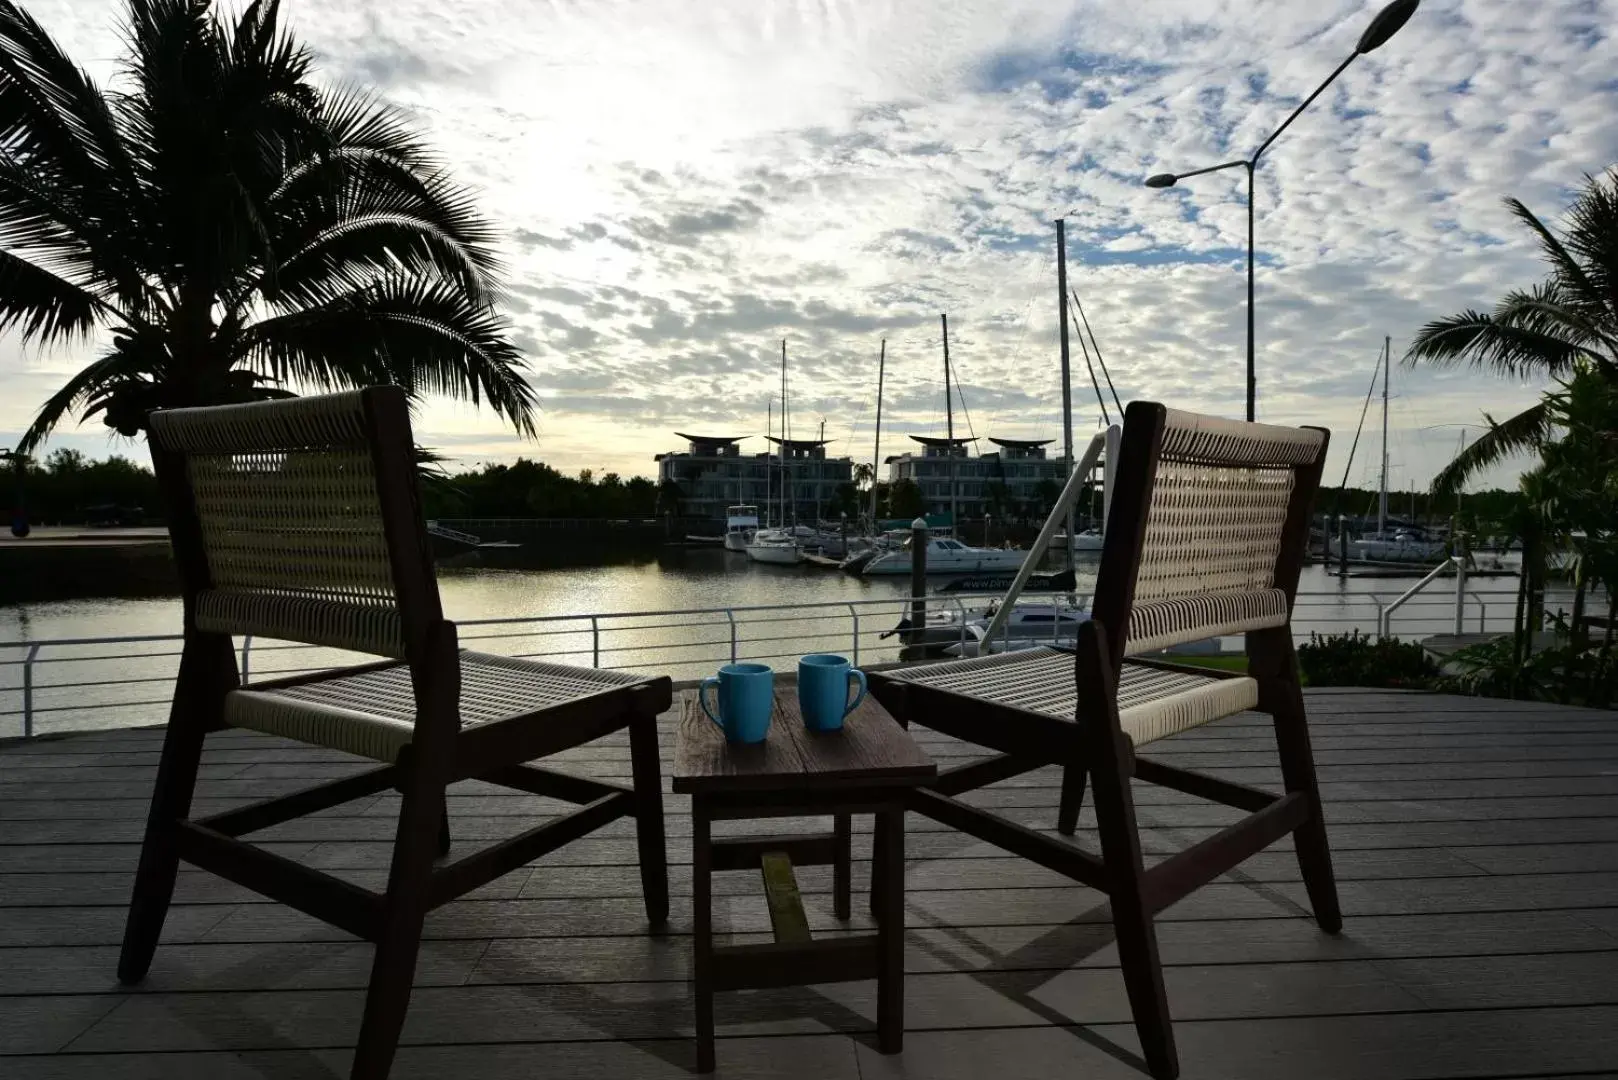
point(1389, 21)
point(1161, 180)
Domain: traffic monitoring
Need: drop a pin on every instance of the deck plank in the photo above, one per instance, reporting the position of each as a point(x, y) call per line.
point(1476, 845)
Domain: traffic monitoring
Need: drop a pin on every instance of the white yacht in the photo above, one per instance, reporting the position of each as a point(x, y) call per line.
point(946, 556)
point(1403, 545)
point(1031, 624)
point(741, 522)
point(1087, 540)
point(776, 546)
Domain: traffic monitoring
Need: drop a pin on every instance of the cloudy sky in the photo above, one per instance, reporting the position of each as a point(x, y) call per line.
point(684, 184)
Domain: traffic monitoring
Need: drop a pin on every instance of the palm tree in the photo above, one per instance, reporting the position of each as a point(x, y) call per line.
point(226, 230)
point(1543, 331)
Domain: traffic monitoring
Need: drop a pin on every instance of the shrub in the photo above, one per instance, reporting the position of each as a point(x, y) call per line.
point(1356, 659)
point(1564, 673)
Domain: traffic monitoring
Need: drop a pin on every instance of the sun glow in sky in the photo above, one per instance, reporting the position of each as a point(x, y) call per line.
point(682, 185)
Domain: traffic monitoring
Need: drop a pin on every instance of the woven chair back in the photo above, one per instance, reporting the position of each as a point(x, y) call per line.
point(1207, 528)
point(300, 520)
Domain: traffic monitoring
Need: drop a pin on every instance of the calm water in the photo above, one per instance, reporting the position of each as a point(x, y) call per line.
point(86, 686)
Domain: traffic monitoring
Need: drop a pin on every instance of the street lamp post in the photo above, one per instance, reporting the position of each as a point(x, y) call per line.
point(1388, 22)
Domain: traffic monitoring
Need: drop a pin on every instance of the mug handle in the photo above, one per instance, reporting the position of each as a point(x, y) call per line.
point(702, 698)
point(859, 676)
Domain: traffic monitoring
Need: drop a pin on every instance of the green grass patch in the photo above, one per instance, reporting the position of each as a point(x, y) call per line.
point(1224, 662)
point(1231, 662)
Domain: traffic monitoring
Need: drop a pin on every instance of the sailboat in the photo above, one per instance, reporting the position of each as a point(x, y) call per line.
point(945, 555)
point(779, 546)
point(1392, 542)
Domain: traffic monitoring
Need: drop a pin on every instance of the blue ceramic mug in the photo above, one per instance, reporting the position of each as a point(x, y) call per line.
point(823, 690)
point(745, 694)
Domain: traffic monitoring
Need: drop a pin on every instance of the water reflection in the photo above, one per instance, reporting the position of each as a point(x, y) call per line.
point(74, 685)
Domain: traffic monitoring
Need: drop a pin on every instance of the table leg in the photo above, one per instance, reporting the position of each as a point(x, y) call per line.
point(889, 869)
point(842, 870)
point(702, 931)
point(879, 847)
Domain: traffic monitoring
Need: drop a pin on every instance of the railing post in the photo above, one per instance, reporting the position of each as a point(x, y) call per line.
point(1460, 593)
point(28, 692)
point(854, 614)
point(595, 642)
point(731, 615)
point(247, 656)
point(1383, 618)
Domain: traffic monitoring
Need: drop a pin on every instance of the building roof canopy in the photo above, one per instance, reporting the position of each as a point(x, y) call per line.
point(711, 438)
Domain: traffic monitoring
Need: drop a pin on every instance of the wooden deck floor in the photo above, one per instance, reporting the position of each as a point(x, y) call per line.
point(1476, 845)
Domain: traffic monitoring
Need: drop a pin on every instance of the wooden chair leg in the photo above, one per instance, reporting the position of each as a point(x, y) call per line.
point(1137, 936)
point(1067, 817)
point(405, 908)
point(1275, 666)
point(1110, 757)
point(648, 780)
point(444, 839)
point(207, 671)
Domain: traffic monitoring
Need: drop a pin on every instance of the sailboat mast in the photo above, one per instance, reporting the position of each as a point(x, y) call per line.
point(876, 448)
point(949, 421)
point(1382, 502)
point(781, 447)
point(769, 430)
point(1067, 380)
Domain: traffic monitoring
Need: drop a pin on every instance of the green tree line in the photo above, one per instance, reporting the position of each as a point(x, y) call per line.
point(529, 489)
point(69, 489)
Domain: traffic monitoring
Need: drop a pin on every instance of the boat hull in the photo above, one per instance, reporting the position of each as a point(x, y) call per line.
point(775, 554)
point(899, 563)
point(1406, 552)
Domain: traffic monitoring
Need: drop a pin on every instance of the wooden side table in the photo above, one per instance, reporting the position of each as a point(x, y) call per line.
point(863, 769)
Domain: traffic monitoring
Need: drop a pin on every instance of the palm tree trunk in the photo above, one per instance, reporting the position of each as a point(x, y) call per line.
point(1534, 575)
point(1580, 634)
point(1519, 622)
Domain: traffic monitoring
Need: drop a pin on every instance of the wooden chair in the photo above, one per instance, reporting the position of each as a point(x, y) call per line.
point(300, 520)
point(1206, 536)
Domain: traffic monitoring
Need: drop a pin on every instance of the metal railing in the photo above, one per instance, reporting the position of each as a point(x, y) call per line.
point(1457, 563)
point(435, 528)
point(59, 684)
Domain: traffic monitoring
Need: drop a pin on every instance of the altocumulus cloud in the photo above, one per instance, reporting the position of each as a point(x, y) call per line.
point(684, 185)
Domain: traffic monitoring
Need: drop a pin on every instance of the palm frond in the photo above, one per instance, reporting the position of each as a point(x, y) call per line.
point(359, 248)
point(44, 307)
point(1565, 269)
point(359, 120)
point(427, 336)
point(1515, 435)
point(70, 175)
point(1545, 309)
point(1592, 237)
point(51, 113)
point(84, 385)
point(1485, 341)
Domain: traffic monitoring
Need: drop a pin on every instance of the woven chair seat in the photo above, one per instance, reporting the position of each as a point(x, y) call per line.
point(1152, 703)
point(371, 712)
